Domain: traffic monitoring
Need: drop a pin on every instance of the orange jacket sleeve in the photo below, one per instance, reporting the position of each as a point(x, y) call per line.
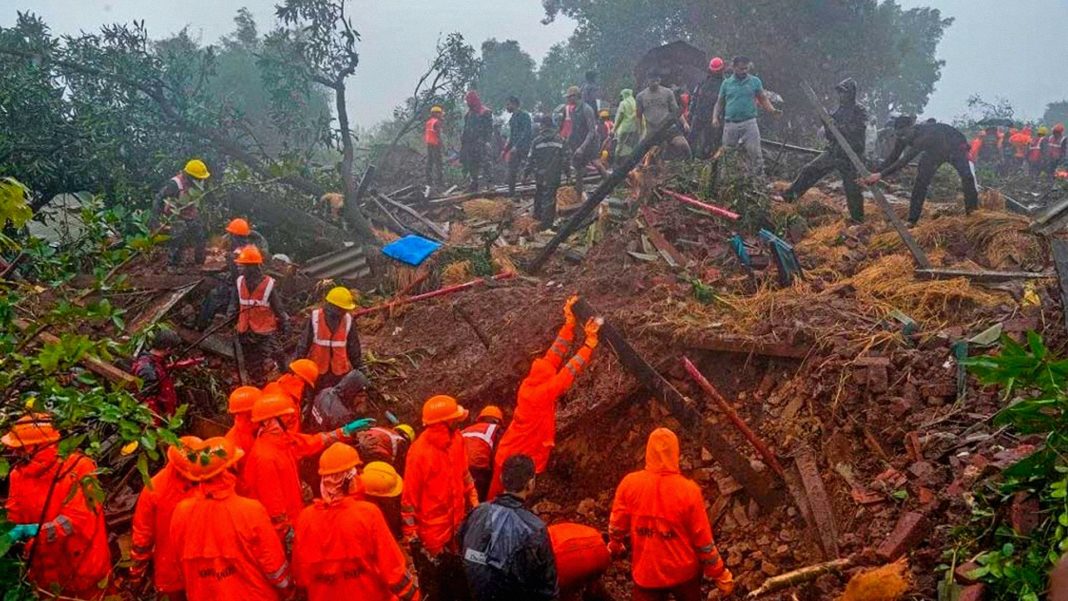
point(264, 473)
point(566, 376)
point(143, 536)
point(973, 151)
point(75, 516)
point(305, 445)
point(701, 535)
point(619, 519)
point(558, 351)
point(413, 475)
point(390, 561)
point(265, 547)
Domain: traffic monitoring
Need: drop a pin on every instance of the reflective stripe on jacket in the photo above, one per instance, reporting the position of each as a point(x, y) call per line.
point(255, 313)
point(329, 349)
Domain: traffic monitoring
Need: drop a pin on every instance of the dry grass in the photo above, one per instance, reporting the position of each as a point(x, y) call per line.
point(566, 197)
point(459, 233)
point(502, 260)
point(456, 273)
point(885, 583)
point(488, 209)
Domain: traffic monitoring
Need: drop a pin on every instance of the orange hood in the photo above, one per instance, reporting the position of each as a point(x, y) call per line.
point(662, 452)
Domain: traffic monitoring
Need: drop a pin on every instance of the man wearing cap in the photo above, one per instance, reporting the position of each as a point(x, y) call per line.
point(178, 201)
point(151, 536)
point(331, 339)
point(225, 544)
point(480, 443)
point(438, 492)
point(343, 547)
point(704, 139)
point(47, 503)
point(260, 316)
point(435, 170)
point(851, 119)
point(582, 138)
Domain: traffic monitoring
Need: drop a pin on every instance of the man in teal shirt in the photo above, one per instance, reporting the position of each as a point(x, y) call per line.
point(737, 107)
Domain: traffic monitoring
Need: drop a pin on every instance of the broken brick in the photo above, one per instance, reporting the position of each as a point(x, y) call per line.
point(975, 592)
point(913, 446)
point(961, 574)
point(927, 496)
point(909, 530)
point(1024, 513)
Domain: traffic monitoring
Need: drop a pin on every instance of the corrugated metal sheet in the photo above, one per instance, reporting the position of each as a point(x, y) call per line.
point(348, 262)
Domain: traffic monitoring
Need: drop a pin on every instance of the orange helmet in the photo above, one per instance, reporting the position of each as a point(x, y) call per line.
point(306, 369)
point(249, 255)
point(442, 408)
point(1058, 129)
point(182, 455)
point(31, 429)
point(338, 457)
point(238, 227)
point(491, 411)
point(242, 399)
point(272, 405)
point(214, 456)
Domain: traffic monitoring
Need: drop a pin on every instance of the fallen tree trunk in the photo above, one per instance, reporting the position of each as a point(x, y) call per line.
point(758, 485)
point(799, 576)
point(603, 190)
point(93, 364)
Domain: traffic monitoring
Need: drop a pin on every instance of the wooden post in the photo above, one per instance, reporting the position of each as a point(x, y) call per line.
point(758, 485)
point(603, 190)
point(917, 253)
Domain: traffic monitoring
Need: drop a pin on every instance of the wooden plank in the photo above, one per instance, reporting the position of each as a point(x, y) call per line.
point(1060, 261)
point(97, 366)
point(745, 346)
point(211, 343)
point(759, 486)
point(671, 254)
point(819, 503)
point(438, 231)
point(982, 276)
point(160, 307)
point(880, 200)
point(1050, 214)
point(791, 147)
point(603, 190)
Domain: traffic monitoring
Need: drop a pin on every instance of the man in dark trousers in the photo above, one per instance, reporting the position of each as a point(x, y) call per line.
point(704, 139)
point(852, 120)
point(506, 549)
point(547, 161)
point(478, 127)
point(331, 338)
point(260, 315)
point(178, 201)
point(935, 144)
point(520, 134)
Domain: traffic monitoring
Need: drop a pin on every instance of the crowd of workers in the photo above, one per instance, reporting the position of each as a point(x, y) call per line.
point(1037, 151)
point(398, 514)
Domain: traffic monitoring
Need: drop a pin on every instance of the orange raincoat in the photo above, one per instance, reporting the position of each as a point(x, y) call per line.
point(227, 547)
point(344, 550)
point(533, 428)
point(72, 544)
point(663, 514)
point(151, 526)
point(437, 488)
point(270, 473)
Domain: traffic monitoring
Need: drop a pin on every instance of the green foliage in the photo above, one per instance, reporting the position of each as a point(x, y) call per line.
point(1056, 112)
point(506, 70)
point(1014, 566)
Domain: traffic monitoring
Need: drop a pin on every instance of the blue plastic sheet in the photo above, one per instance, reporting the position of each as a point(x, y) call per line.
point(411, 249)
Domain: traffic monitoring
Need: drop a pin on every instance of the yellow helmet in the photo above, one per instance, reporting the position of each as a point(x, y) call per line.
point(381, 480)
point(407, 431)
point(603, 114)
point(341, 297)
point(1043, 131)
point(436, 109)
point(197, 169)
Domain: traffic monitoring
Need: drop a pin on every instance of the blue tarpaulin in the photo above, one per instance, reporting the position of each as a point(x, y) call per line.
point(411, 249)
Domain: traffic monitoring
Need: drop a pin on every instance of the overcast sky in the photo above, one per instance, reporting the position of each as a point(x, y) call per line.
point(1011, 48)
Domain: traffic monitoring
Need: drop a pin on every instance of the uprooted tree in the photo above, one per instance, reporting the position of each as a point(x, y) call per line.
point(116, 98)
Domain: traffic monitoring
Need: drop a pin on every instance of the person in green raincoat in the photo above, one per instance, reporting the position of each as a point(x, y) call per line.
point(626, 125)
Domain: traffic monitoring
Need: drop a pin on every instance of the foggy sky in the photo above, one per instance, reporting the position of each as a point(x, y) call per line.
point(1011, 48)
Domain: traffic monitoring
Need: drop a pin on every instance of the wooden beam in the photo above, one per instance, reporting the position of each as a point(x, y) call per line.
point(759, 486)
point(97, 366)
point(671, 254)
point(981, 276)
point(603, 190)
point(880, 200)
point(436, 229)
point(819, 502)
point(791, 147)
point(744, 346)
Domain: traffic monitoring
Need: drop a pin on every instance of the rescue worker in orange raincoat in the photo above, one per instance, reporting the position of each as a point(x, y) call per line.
point(239, 405)
point(331, 339)
point(662, 513)
point(480, 442)
point(239, 234)
point(438, 491)
point(260, 314)
point(533, 428)
point(63, 530)
point(581, 560)
point(343, 548)
point(299, 382)
point(225, 543)
point(270, 473)
point(151, 536)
